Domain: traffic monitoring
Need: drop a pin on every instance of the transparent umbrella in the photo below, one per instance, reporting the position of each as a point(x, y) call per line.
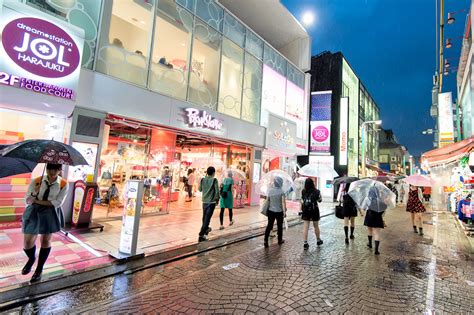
point(237, 175)
point(275, 182)
point(317, 170)
point(419, 180)
point(369, 194)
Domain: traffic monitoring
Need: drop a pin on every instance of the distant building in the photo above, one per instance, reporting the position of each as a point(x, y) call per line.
point(393, 157)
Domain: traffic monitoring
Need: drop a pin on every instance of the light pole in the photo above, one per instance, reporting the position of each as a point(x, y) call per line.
point(364, 130)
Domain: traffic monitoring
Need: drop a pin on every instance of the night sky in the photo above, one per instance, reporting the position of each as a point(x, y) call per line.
point(391, 46)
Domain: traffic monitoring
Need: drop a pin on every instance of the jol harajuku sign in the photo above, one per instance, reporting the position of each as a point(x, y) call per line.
point(39, 55)
point(201, 119)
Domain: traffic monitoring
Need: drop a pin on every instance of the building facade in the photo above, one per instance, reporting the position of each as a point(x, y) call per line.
point(157, 87)
point(340, 103)
point(394, 158)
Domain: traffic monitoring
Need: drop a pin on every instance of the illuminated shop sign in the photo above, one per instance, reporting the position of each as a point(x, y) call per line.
point(201, 119)
point(320, 142)
point(343, 129)
point(38, 54)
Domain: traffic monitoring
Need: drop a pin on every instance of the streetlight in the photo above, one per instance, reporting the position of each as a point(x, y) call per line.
point(364, 130)
point(307, 18)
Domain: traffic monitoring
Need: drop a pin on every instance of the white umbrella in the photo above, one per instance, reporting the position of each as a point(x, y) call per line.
point(317, 170)
point(265, 185)
point(369, 194)
point(237, 175)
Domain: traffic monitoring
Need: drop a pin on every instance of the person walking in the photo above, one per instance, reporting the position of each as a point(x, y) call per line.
point(227, 199)
point(310, 196)
point(374, 218)
point(416, 208)
point(190, 184)
point(276, 209)
point(210, 196)
point(349, 210)
point(43, 216)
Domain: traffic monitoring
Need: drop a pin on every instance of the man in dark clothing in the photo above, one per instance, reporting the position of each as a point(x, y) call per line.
point(210, 196)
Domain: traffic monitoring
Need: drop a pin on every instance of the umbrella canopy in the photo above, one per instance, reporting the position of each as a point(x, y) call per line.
point(45, 151)
point(266, 185)
point(13, 166)
point(419, 180)
point(369, 194)
point(317, 170)
point(383, 178)
point(345, 180)
point(237, 175)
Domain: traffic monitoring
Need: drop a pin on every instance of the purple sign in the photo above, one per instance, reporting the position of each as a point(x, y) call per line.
point(40, 47)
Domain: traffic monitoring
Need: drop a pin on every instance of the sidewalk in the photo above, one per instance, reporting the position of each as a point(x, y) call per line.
point(85, 250)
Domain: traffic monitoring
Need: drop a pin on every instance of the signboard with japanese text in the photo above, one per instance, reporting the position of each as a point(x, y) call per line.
point(445, 118)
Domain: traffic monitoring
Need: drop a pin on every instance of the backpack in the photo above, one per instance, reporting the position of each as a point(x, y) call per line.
point(39, 179)
point(308, 204)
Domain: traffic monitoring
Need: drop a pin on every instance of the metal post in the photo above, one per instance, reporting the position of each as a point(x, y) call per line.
point(363, 149)
point(441, 44)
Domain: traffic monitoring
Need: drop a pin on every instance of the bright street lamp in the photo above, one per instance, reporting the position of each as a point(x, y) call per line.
point(308, 18)
point(364, 131)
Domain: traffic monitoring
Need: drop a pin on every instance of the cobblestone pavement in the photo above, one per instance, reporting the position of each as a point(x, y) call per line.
point(413, 274)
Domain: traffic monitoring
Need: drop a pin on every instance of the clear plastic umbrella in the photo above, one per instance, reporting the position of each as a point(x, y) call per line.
point(317, 170)
point(237, 175)
point(275, 182)
point(419, 180)
point(369, 194)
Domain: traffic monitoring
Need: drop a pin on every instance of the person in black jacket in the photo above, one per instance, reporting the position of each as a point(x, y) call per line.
point(349, 211)
point(310, 196)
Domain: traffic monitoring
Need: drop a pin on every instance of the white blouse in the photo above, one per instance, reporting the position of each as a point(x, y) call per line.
point(56, 194)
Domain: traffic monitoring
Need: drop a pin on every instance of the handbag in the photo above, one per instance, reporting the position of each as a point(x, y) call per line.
point(223, 192)
point(339, 212)
point(264, 207)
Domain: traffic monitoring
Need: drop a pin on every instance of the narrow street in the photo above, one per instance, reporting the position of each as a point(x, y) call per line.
point(413, 274)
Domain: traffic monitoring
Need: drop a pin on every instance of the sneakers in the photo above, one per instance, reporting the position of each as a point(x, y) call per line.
point(209, 230)
point(306, 245)
point(221, 227)
point(203, 238)
point(231, 223)
point(319, 242)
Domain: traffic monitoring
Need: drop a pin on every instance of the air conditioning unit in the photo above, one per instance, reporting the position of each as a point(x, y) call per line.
point(393, 159)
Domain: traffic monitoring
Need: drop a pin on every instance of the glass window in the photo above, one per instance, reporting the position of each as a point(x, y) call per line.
point(211, 13)
point(204, 76)
point(230, 88)
point(83, 14)
point(125, 40)
point(252, 94)
point(295, 76)
point(234, 30)
point(188, 4)
point(171, 49)
point(253, 44)
point(274, 60)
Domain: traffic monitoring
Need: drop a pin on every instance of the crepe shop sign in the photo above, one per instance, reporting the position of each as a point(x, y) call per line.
point(36, 86)
point(201, 119)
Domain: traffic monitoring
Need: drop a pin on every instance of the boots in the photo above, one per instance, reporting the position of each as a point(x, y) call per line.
point(352, 232)
point(369, 244)
point(42, 257)
point(346, 232)
point(31, 254)
point(377, 244)
point(414, 229)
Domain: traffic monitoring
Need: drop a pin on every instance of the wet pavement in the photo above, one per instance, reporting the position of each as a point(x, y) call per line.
point(413, 274)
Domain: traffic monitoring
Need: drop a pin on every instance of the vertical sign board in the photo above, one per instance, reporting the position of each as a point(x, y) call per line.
point(39, 53)
point(133, 194)
point(320, 133)
point(343, 130)
point(445, 118)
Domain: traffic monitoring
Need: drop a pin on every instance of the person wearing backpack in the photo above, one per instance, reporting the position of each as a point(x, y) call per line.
point(210, 196)
point(227, 199)
point(310, 211)
point(349, 210)
point(43, 216)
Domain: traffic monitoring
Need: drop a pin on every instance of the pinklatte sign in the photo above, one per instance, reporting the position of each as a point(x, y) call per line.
point(320, 136)
point(39, 53)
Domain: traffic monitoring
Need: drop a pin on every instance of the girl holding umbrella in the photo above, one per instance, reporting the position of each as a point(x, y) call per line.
point(42, 216)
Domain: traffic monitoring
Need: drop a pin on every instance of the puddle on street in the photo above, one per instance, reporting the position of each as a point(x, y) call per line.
point(415, 267)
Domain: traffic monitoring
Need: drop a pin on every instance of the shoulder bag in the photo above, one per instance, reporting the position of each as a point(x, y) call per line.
point(265, 206)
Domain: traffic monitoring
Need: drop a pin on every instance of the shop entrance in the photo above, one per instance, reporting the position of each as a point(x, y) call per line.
point(162, 158)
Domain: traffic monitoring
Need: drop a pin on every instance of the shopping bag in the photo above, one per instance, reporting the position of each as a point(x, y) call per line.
point(264, 207)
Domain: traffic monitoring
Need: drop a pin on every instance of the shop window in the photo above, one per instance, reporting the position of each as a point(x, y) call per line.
point(295, 107)
point(81, 13)
point(210, 12)
point(252, 93)
point(171, 49)
point(253, 44)
point(234, 30)
point(204, 76)
point(230, 88)
point(125, 40)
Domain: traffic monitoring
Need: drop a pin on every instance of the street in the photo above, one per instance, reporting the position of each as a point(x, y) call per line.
point(413, 274)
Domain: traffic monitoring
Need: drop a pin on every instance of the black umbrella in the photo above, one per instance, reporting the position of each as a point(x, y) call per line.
point(13, 166)
point(45, 151)
point(344, 179)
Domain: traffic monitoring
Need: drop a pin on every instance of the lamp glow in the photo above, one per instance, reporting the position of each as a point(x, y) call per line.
point(308, 18)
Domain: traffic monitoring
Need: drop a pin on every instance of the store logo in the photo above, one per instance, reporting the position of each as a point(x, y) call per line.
point(40, 47)
point(282, 138)
point(201, 119)
point(343, 141)
point(320, 133)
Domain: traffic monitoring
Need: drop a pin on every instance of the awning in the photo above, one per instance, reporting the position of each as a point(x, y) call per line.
point(448, 154)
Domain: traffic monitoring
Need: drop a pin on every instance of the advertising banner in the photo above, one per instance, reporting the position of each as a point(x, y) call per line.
point(320, 140)
point(83, 203)
point(445, 118)
point(281, 135)
point(273, 94)
point(133, 194)
point(295, 106)
point(320, 136)
point(39, 53)
point(343, 130)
